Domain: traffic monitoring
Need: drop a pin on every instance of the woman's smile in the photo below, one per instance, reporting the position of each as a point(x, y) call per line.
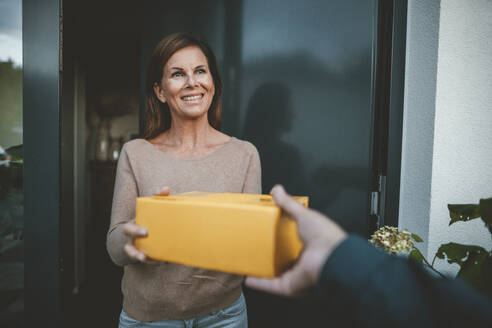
point(195, 99)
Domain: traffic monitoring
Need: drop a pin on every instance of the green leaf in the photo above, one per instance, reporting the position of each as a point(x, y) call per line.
point(417, 256)
point(457, 253)
point(463, 212)
point(477, 270)
point(486, 212)
point(416, 238)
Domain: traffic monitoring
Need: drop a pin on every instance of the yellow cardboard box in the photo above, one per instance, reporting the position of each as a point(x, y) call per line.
point(237, 233)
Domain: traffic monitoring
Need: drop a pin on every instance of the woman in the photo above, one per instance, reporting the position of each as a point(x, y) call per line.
point(183, 150)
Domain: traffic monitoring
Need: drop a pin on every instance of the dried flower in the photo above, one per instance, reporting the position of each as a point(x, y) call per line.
point(392, 240)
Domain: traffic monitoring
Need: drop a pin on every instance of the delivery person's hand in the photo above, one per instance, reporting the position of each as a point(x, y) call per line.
point(320, 236)
point(133, 231)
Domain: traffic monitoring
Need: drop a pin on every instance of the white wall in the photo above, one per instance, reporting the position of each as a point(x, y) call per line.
point(418, 117)
point(456, 139)
point(462, 165)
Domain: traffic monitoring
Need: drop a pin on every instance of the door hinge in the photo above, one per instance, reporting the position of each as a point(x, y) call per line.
point(374, 202)
point(377, 201)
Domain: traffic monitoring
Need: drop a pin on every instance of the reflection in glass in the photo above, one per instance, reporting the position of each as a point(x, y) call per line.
point(297, 84)
point(11, 193)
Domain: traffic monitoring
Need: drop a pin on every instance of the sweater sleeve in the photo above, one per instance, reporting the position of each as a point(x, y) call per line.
point(363, 286)
point(123, 209)
point(252, 182)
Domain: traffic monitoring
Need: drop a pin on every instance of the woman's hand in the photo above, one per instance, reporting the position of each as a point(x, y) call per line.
point(133, 231)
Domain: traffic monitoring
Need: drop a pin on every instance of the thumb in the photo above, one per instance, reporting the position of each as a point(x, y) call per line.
point(292, 207)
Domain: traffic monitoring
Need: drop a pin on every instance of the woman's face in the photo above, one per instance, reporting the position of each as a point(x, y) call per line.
point(187, 84)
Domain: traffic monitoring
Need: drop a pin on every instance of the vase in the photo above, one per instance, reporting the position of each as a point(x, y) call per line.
point(115, 149)
point(102, 142)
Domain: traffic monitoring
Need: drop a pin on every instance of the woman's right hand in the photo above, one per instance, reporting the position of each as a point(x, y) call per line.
point(133, 231)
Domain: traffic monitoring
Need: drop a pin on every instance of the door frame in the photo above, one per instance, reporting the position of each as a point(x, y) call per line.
point(389, 77)
point(41, 151)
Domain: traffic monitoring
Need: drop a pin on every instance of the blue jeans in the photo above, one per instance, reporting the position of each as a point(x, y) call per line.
point(233, 316)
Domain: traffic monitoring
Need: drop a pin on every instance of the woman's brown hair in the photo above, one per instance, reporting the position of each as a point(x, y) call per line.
point(157, 114)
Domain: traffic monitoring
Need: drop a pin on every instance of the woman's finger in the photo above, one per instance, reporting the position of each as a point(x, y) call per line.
point(137, 255)
point(134, 231)
point(134, 253)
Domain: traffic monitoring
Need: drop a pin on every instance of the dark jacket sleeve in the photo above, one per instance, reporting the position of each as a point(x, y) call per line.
point(363, 287)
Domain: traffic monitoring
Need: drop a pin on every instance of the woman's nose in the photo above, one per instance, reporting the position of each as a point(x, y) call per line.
point(191, 81)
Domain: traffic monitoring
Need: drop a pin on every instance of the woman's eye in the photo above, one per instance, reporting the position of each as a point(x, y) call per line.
point(177, 74)
point(201, 71)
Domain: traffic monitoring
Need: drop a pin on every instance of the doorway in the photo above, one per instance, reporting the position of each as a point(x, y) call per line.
point(299, 83)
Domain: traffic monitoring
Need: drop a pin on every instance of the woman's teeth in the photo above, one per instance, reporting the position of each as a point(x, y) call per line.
point(189, 98)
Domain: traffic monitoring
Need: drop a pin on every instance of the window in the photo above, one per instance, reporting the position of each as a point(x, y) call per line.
point(11, 174)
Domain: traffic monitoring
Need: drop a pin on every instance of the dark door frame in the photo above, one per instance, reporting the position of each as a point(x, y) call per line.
point(41, 138)
point(388, 113)
point(395, 121)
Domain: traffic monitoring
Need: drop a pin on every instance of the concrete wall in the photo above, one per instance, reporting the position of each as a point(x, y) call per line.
point(447, 137)
point(418, 117)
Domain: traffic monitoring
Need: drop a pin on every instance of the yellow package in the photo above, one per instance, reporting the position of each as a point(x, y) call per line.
point(236, 233)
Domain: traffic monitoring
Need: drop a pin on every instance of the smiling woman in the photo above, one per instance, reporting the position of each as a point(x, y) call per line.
point(173, 60)
point(183, 150)
point(186, 85)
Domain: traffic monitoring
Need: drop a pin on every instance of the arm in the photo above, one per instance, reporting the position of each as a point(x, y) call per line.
point(123, 210)
point(123, 230)
point(252, 182)
point(384, 290)
point(362, 286)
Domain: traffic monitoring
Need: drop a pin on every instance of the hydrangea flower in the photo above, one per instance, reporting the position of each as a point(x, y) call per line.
point(393, 241)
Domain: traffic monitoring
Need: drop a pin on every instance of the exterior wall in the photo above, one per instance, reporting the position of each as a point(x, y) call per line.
point(418, 117)
point(447, 158)
point(462, 164)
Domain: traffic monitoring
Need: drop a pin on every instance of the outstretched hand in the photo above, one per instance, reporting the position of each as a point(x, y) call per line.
point(133, 231)
point(320, 236)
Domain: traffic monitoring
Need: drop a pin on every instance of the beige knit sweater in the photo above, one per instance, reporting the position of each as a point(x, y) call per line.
point(166, 290)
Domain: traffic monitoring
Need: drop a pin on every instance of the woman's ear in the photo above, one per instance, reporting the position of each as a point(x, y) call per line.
point(159, 93)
